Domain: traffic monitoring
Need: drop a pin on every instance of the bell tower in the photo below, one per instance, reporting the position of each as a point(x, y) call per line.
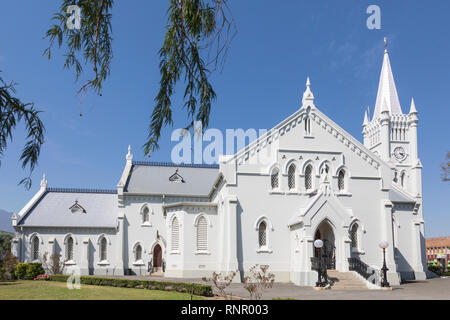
point(392, 135)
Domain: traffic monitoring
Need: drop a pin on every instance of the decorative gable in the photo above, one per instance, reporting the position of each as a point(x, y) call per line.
point(176, 177)
point(76, 208)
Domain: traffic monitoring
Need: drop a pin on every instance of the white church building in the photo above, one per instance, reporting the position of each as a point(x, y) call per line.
point(305, 179)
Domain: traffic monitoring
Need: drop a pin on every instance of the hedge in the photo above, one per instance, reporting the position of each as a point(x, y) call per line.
point(194, 288)
point(28, 270)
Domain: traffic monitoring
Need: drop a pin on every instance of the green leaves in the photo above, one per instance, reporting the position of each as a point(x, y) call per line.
point(195, 29)
point(191, 30)
point(90, 44)
point(12, 111)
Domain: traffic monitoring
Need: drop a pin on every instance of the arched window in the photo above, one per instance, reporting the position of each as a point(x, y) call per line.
point(145, 215)
point(103, 249)
point(35, 248)
point(307, 126)
point(308, 177)
point(138, 253)
point(341, 180)
point(274, 178)
point(354, 236)
point(202, 234)
point(402, 178)
point(262, 235)
point(291, 176)
point(69, 249)
point(175, 234)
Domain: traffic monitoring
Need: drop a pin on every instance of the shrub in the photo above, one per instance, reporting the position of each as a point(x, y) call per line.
point(28, 270)
point(8, 266)
point(20, 271)
point(194, 288)
point(44, 276)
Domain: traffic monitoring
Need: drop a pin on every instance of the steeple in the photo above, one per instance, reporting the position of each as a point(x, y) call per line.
point(387, 92)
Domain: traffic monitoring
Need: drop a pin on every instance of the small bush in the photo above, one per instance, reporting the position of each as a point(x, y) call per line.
point(44, 276)
point(28, 270)
point(20, 271)
point(193, 288)
point(435, 269)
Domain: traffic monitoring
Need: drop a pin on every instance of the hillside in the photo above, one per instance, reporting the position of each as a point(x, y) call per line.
point(5, 221)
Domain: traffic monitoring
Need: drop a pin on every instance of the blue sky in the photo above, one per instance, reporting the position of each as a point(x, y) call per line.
point(278, 44)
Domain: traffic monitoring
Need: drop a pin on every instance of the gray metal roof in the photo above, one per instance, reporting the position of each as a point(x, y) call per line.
point(153, 178)
point(53, 209)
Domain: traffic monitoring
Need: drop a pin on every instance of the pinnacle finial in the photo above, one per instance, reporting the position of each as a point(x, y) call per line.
point(129, 155)
point(413, 109)
point(308, 96)
point(44, 182)
point(366, 119)
point(384, 107)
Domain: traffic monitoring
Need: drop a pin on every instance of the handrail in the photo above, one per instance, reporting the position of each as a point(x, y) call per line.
point(367, 272)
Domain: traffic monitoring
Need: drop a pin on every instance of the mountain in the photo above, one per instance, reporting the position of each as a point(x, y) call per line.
point(5, 221)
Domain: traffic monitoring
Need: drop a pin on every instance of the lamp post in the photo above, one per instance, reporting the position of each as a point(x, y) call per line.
point(384, 283)
point(322, 270)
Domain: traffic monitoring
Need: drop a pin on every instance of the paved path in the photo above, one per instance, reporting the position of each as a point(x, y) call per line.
point(431, 289)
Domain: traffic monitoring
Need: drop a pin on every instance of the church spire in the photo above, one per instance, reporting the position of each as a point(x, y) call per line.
point(387, 92)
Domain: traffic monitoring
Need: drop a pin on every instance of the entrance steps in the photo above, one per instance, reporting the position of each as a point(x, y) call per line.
point(345, 281)
point(157, 272)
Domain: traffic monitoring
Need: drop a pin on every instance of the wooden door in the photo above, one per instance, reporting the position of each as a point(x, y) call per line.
point(157, 256)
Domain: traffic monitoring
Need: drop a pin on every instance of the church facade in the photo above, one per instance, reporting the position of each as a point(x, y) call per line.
point(305, 179)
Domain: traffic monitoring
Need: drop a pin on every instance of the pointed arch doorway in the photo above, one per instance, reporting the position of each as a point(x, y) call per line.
point(157, 257)
point(325, 233)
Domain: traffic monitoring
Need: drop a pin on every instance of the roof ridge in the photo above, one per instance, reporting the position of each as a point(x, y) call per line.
point(81, 190)
point(171, 164)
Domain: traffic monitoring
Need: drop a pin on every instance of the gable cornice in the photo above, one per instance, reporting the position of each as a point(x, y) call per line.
point(326, 123)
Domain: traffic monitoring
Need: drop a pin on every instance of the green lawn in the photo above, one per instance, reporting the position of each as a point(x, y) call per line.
point(52, 290)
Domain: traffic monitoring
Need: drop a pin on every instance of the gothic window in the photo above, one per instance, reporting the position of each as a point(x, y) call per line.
point(138, 253)
point(308, 126)
point(202, 234)
point(402, 178)
point(291, 176)
point(308, 177)
point(262, 234)
point(274, 178)
point(145, 215)
point(69, 249)
point(35, 248)
point(175, 234)
point(341, 180)
point(103, 249)
point(354, 236)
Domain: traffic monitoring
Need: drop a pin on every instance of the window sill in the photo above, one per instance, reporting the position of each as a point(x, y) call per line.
point(308, 137)
point(146, 224)
point(139, 263)
point(311, 192)
point(103, 263)
point(264, 250)
point(70, 263)
point(357, 251)
point(175, 252)
point(293, 192)
point(202, 252)
point(276, 191)
point(343, 194)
